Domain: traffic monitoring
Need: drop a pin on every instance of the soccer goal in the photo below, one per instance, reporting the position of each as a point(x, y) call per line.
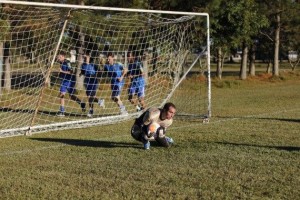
point(171, 51)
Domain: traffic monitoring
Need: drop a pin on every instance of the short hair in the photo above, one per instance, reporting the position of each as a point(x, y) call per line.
point(168, 105)
point(134, 53)
point(129, 53)
point(110, 54)
point(63, 53)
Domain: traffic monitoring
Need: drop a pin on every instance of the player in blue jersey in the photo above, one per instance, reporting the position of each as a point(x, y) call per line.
point(137, 84)
point(68, 81)
point(89, 70)
point(116, 72)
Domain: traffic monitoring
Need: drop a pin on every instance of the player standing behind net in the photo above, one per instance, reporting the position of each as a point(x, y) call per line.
point(116, 73)
point(89, 70)
point(143, 130)
point(137, 84)
point(68, 82)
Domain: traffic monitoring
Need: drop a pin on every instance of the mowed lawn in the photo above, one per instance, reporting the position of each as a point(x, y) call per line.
point(249, 150)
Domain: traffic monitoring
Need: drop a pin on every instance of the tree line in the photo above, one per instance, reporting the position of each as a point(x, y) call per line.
point(257, 27)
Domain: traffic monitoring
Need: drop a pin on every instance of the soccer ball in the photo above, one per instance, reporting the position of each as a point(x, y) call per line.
point(151, 131)
point(154, 130)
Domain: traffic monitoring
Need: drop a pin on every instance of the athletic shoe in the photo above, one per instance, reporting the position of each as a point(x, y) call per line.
point(60, 114)
point(170, 140)
point(123, 111)
point(138, 108)
point(82, 105)
point(90, 114)
point(147, 145)
point(101, 103)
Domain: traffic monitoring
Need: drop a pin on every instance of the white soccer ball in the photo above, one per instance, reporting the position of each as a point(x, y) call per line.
point(152, 131)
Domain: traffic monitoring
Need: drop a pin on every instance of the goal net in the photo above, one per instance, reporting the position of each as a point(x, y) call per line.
point(66, 66)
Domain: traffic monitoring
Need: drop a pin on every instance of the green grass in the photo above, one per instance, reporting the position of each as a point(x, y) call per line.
point(249, 150)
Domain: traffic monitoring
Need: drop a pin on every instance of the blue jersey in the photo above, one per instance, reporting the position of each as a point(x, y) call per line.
point(66, 67)
point(89, 69)
point(90, 80)
point(136, 70)
point(115, 71)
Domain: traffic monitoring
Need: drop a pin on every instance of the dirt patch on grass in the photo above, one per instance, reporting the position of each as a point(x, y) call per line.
point(284, 75)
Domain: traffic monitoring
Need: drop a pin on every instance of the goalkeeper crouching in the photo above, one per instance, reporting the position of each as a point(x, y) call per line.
point(152, 125)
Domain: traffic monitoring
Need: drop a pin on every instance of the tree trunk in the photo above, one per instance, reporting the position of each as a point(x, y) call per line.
point(7, 68)
point(269, 67)
point(146, 67)
point(219, 63)
point(48, 59)
point(276, 46)
point(32, 56)
point(243, 70)
point(7, 74)
point(252, 61)
point(80, 79)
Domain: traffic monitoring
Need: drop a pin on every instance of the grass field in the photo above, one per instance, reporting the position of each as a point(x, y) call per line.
point(249, 150)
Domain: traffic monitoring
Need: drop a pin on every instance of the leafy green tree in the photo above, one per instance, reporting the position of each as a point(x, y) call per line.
point(248, 23)
point(290, 40)
point(119, 3)
point(219, 34)
point(280, 13)
point(3, 35)
point(4, 50)
point(178, 5)
point(235, 24)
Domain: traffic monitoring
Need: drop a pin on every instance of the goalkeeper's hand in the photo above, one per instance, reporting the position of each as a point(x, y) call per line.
point(150, 134)
point(161, 132)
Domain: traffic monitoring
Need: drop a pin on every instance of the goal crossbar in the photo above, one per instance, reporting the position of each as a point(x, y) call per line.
point(72, 6)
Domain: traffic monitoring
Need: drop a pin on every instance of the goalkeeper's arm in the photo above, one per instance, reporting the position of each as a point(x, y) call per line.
point(152, 113)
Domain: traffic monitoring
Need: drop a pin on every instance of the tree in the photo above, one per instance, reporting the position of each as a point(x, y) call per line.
point(235, 24)
point(279, 13)
point(4, 51)
point(252, 52)
point(3, 34)
point(247, 22)
point(219, 34)
point(290, 35)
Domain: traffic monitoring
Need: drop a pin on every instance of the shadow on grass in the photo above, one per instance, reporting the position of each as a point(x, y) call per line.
point(29, 111)
point(262, 118)
point(284, 148)
point(286, 120)
point(90, 143)
point(44, 112)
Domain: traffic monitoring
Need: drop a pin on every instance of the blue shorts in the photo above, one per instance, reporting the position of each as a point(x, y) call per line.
point(67, 86)
point(137, 86)
point(116, 90)
point(136, 89)
point(91, 86)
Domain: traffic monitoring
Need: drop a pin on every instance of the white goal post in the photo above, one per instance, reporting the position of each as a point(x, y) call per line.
point(170, 61)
